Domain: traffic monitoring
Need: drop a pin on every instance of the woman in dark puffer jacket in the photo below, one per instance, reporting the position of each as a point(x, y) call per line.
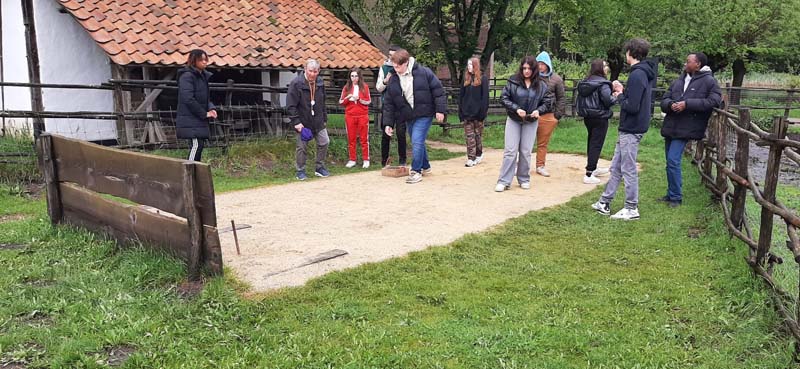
point(194, 105)
point(594, 105)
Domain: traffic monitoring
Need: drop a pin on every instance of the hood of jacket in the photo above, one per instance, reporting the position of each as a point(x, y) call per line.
point(702, 73)
point(544, 57)
point(591, 84)
point(647, 66)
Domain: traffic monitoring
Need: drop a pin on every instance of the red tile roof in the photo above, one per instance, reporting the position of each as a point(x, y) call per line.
point(235, 33)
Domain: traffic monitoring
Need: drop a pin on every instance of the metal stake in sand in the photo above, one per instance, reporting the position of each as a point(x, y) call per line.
point(235, 237)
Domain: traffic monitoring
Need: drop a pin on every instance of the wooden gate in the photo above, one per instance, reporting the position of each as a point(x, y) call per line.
point(174, 199)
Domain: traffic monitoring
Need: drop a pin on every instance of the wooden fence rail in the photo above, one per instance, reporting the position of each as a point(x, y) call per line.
point(176, 212)
point(731, 186)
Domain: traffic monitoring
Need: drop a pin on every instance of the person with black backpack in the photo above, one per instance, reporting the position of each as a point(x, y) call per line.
point(594, 104)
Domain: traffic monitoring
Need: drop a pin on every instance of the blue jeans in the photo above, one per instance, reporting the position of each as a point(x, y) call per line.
point(418, 128)
point(673, 150)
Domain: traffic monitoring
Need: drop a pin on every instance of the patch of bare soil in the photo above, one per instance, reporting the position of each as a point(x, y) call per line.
point(372, 218)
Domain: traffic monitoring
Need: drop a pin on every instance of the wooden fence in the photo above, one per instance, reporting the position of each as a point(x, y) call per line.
point(178, 215)
point(731, 185)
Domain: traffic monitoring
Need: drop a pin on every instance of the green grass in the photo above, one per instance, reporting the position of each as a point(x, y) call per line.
point(558, 288)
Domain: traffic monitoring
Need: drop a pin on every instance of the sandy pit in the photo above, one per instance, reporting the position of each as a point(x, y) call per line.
point(375, 218)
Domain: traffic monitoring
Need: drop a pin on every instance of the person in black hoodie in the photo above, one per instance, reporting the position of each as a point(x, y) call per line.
point(305, 105)
point(194, 105)
point(525, 98)
point(687, 104)
point(594, 105)
point(473, 106)
point(635, 113)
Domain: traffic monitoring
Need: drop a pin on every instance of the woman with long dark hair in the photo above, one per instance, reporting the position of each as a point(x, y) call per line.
point(525, 99)
point(194, 105)
point(356, 99)
point(473, 105)
point(594, 104)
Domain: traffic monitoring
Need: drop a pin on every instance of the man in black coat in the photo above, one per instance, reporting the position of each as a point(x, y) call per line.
point(305, 104)
point(414, 96)
point(688, 105)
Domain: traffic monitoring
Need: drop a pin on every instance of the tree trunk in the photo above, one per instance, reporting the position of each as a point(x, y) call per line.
point(739, 70)
point(615, 63)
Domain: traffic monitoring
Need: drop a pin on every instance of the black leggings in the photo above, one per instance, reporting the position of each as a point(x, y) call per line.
point(597, 129)
point(400, 133)
point(196, 148)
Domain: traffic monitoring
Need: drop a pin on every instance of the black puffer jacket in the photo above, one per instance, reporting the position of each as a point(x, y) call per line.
point(702, 96)
point(193, 103)
point(429, 97)
point(594, 98)
point(298, 104)
point(516, 96)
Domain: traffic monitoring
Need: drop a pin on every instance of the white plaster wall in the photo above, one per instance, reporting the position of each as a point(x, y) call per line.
point(15, 64)
point(68, 55)
point(284, 77)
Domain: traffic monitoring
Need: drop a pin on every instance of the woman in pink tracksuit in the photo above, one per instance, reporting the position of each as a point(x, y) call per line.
point(356, 99)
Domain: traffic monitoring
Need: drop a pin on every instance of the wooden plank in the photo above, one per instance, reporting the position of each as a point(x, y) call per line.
point(779, 128)
point(195, 224)
point(45, 143)
point(34, 73)
point(153, 94)
point(144, 179)
point(123, 136)
point(742, 159)
point(129, 223)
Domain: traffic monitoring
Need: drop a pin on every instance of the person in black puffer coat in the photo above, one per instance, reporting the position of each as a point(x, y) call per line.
point(594, 104)
point(688, 105)
point(525, 98)
point(194, 105)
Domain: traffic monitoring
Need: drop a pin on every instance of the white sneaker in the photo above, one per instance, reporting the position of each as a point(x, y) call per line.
point(414, 177)
point(626, 214)
point(478, 159)
point(500, 187)
point(425, 172)
point(542, 171)
point(366, 164)
point(602, 208)
point(591, 180)
point(599, 172)
point(350, 164)
point(470, 163)
point(525, 185)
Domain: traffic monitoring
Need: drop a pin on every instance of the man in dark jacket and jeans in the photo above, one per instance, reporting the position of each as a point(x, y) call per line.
point(305, 104)
point(634, 121)
point(687, 104)
point(414, 95)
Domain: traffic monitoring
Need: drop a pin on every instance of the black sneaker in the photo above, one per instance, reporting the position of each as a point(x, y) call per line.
point(664, 199)
point(674, 204)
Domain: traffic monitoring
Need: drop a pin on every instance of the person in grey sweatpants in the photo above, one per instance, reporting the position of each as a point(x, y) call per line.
point(525, 98)
point(634, 121)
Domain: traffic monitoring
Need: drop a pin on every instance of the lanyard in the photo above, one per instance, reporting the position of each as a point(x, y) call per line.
point(313, 87)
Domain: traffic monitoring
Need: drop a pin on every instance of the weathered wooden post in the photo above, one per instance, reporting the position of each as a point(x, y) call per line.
point(779, 127)
point(48, 161)
point(742, 158)
point(193, 220)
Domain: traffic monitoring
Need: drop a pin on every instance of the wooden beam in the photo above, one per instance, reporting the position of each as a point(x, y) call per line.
point(134, 224)
point(153, 94)
point(48, 164)
point(193, 218)
point(32, 48)
point(742, 159)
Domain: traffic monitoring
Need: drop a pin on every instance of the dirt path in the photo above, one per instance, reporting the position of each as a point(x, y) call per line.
point(374, 218)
